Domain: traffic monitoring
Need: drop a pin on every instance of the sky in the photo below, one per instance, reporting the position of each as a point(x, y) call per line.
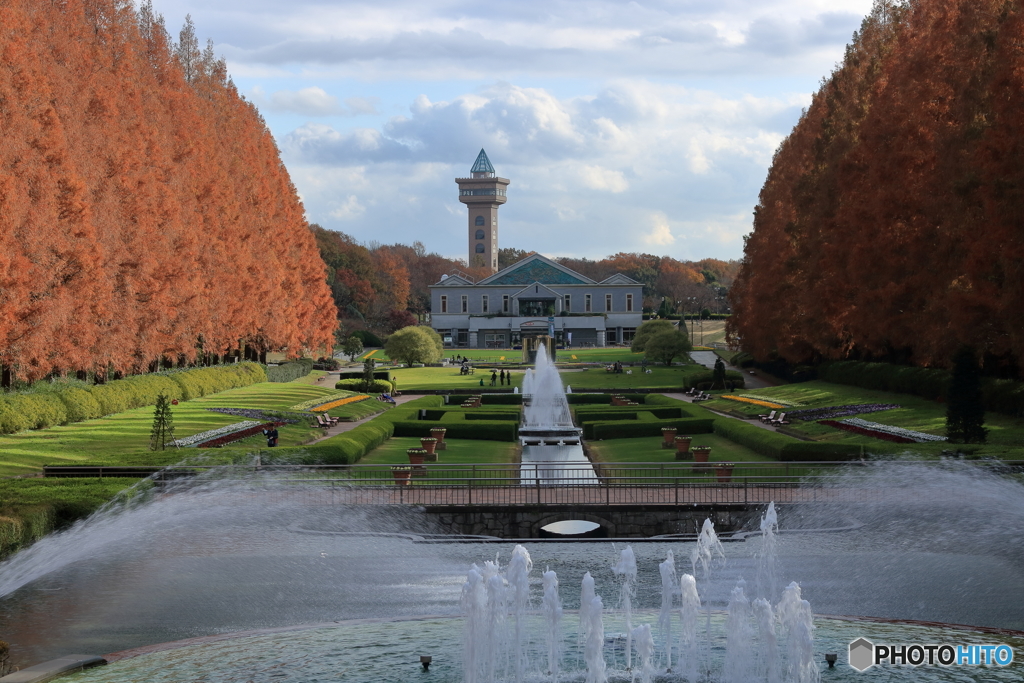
point(623, 126)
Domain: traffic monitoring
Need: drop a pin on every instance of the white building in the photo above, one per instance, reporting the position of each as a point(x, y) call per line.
point(534, 297)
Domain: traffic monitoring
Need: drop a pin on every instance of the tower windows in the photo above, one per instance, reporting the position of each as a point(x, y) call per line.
point(479, 221)
point(480, 247)
point(480, 234)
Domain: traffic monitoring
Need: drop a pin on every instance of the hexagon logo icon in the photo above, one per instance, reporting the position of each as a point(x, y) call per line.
point(862, 654)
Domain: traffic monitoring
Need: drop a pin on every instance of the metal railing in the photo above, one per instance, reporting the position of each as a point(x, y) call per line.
point(557, 483)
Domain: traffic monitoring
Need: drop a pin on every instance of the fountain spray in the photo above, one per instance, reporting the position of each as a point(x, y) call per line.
point(645, 652)
point(768, 642)
point(519, 584)
point(587, 595)
point(708, 546)
point(668, 589)
point(738, 666)
point(593, 655)
point(626, 568)
point(794, 614)
point(767, 555)
point(689, 609)
point(553, 615)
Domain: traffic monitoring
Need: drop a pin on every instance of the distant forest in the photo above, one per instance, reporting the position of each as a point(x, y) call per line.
point(145, 215)
point(891, 224)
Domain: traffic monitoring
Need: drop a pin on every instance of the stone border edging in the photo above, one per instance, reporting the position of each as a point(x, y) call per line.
point(55, 668)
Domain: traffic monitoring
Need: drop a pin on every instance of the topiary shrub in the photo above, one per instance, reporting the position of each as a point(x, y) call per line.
point(379, 386)
point(289, 371)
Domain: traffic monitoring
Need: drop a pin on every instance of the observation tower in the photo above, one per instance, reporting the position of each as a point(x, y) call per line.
point(483, 192)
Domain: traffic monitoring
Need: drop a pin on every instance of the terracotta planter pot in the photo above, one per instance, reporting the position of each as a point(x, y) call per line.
point(682, 444)
point(401, 475)
point(428, 443)
point(668, 436)
point(438, 433)
point(416, 456)
point(723, 472)
point(701, 454)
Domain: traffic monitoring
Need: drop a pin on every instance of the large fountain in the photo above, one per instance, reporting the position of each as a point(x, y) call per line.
point(546, 416)
point(262, 585)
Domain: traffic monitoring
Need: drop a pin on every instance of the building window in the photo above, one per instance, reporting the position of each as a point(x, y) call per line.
point(587, 307)
point(611, 337)
point(494, 341)
point(567, 304)
point(627, 334)
point(465, 304)
point(483, 303)
point(479, 221)
point(480, 248)
point(504, 303)
point(629, 302)
point(608, 303)
point(444, 304)
point(482, 193)
point(480, 234)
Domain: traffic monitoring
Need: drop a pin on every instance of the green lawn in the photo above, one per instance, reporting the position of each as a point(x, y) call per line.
point(127, 433)
point(1005, 438)
point(454, 465)
point(449, 379)
point(648, 449)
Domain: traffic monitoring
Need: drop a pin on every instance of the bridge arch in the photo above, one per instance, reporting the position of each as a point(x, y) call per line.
point(570, 515)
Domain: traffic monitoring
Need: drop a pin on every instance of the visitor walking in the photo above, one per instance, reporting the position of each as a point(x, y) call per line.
point(494, 377)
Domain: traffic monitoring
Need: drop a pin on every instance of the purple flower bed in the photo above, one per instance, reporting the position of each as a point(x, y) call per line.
point(829, 412)
point(264, 415)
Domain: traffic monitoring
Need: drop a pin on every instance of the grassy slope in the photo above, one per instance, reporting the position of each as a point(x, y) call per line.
point(127, 433)
point(1006, 434)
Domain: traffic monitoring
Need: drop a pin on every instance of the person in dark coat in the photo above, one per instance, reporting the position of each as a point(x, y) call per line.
point(271, 435)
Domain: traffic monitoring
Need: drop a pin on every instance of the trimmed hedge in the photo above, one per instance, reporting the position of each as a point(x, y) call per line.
point(628, 430)
point(379, 386)
point(606, 415)
point(349, 447)
point(480, 430)
point(286, 372)
point(501, 417)
point(54, 405)
point(377, 374)
point(782, 447)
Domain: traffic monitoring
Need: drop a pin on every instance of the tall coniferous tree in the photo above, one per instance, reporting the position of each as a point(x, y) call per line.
point(163, 424)
point(965, 414)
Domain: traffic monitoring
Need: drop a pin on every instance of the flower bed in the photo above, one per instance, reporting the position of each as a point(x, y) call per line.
point(213, 433)
point(340, 402)
point(865, 432)
point(917, 437)
point(228, 438)
point(772, 399)
point(755, 401)
point(306, 405)
point(262, 415)
point(829, 412)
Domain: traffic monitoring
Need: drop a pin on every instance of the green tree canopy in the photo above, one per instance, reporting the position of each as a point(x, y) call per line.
point(666, 346)
point(352, 347)
point(648, 330)
point(415, 344)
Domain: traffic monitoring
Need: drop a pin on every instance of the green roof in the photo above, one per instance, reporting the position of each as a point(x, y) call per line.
point(482, 163)
point(534, 271)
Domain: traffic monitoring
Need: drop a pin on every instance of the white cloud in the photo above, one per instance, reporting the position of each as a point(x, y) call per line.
point(598, 178)
point(313, 101)
point(660, 234)
point(349, 209)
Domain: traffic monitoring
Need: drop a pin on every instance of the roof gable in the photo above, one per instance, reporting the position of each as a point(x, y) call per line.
point(451, 281)
point(536, 289)
point(619, 279)
point(536, 268)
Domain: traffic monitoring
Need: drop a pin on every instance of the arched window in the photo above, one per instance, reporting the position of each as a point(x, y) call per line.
point(479, 248)
point(479, 234)
point(479, 220)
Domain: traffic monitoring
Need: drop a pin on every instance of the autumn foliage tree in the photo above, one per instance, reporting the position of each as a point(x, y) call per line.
point(891, 224)
point(145, 215)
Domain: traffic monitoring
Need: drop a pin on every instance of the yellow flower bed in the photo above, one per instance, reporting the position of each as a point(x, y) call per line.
point(340, 402)
point(703, 348)
point(766, 404)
